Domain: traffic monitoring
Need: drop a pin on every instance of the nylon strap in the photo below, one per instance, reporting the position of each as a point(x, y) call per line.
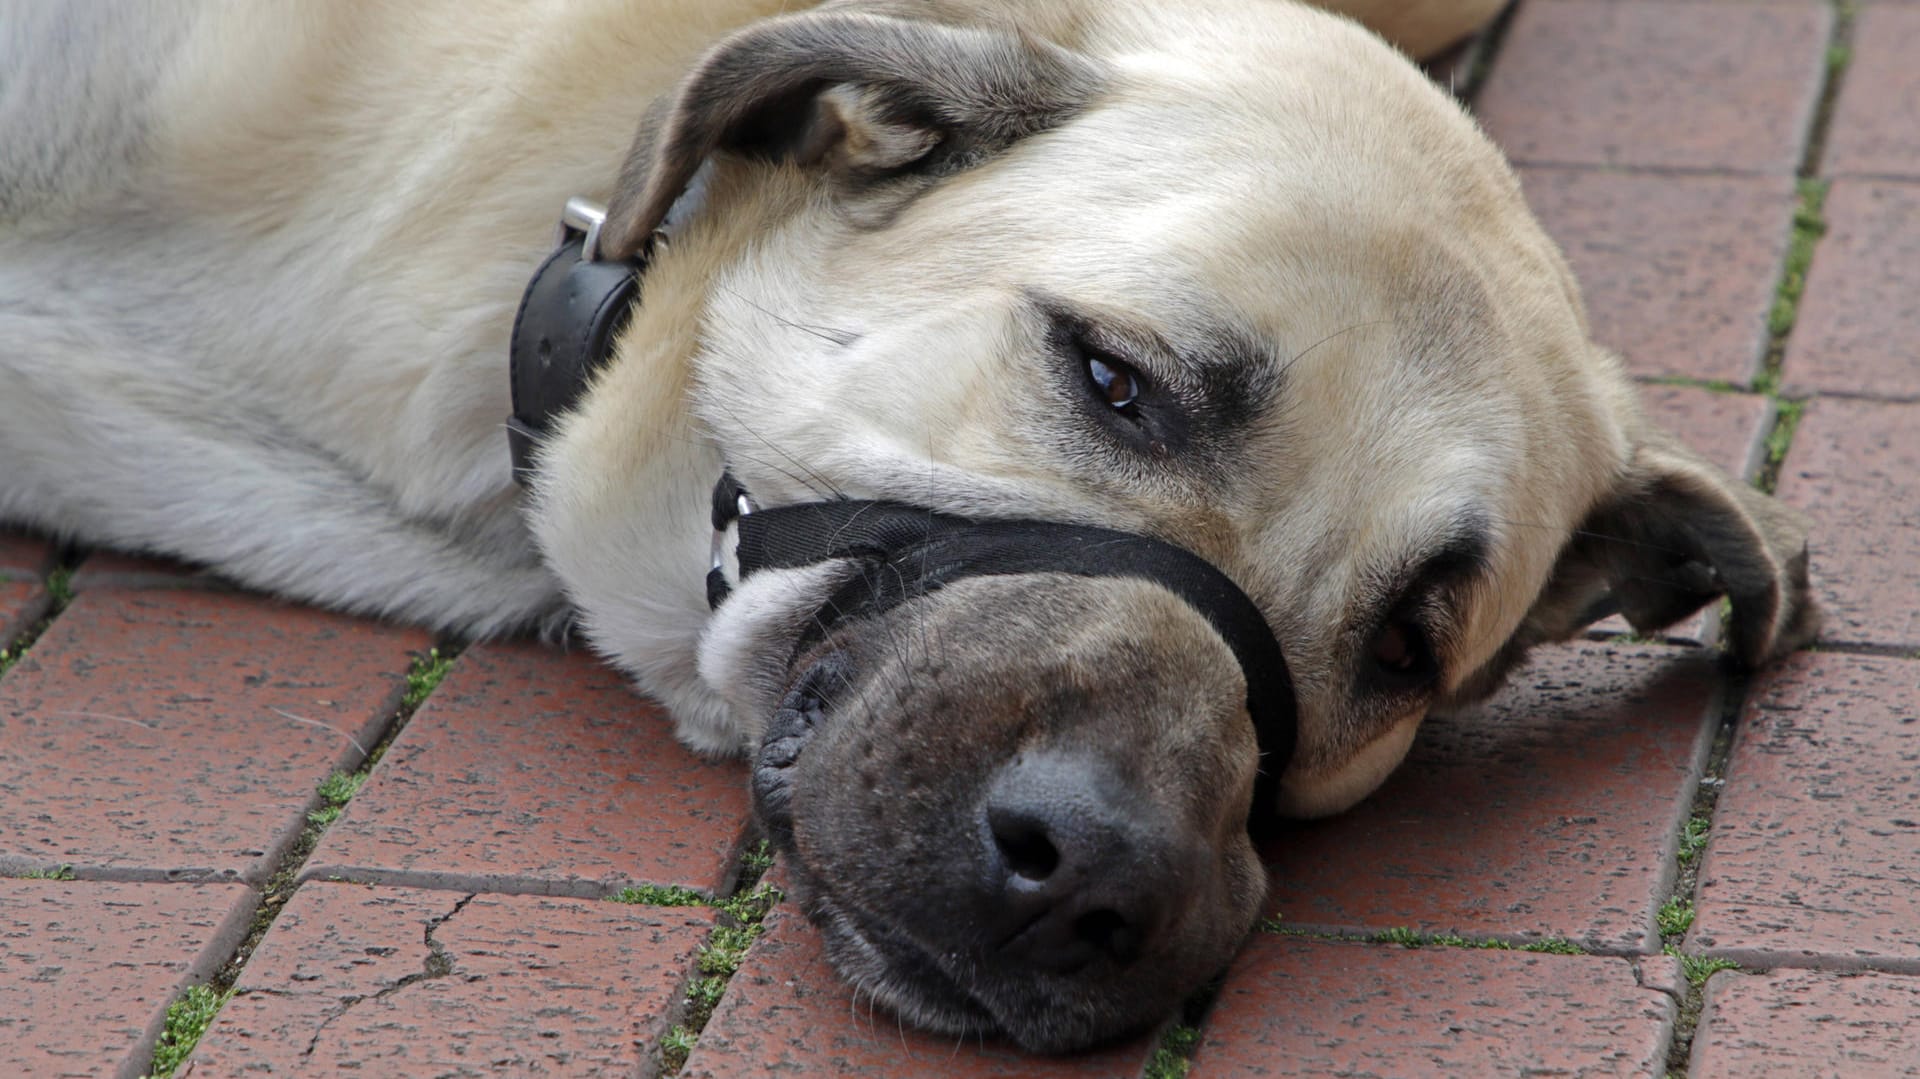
point(904, 552)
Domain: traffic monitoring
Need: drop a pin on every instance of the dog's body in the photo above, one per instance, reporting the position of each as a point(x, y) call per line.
point(1226, 272)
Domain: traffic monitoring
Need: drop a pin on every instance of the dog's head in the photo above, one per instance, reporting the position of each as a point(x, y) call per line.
point(1229, 274)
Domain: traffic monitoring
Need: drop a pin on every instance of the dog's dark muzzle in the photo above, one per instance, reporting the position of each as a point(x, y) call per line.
point(900, 552)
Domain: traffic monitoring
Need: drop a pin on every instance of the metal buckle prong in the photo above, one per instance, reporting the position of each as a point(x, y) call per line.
point(582, 217)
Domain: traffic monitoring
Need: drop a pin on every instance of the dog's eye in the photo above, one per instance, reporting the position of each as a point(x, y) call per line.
point(1118, 384)
point(1401, 654)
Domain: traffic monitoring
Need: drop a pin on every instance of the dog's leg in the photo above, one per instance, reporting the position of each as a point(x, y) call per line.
point(165, 463)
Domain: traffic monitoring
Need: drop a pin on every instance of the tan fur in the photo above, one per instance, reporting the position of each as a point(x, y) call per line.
point(256, 283)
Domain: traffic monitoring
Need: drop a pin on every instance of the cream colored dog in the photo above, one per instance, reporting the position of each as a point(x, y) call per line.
point(1229, 273)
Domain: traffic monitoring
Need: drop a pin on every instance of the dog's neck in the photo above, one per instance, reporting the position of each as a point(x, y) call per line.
point(634, 458)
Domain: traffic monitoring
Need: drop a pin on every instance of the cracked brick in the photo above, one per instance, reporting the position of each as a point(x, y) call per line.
point(403, 981)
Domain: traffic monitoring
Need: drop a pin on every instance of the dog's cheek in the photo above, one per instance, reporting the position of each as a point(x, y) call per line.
point(1332, 790)
point(746, 645)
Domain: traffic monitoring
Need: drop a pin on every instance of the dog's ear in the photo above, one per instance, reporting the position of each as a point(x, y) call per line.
point(1675, 534)
point(866, 95)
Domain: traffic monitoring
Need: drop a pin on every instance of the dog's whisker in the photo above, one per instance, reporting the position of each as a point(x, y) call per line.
point(840, 338)
point(284, 714)
point(828, 485)
point(1591, 534)
point(1302, 354)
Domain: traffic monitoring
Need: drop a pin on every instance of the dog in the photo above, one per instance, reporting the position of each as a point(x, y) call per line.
point(1229, 276)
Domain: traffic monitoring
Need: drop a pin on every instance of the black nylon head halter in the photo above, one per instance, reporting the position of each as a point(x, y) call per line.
point(903, 552)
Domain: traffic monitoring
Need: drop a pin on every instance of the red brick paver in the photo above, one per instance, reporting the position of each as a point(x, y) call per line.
point(1678, 271)
point(531, 771)
point(1651, 83)
point(163, 735)
point(378, 981)
point(1550, 812)
point(23, 561)
point(23, 556)
point(1728, 429)
point(87, 968)
point(1815, 854)
point(21, 604)
point(787, 1013)
point(1859, 325)
point(1855, 469)
point(1873, 131)
point(1317, 1008)
point(1791, 1024)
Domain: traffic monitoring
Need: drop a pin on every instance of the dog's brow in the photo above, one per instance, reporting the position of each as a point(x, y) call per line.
point(1438, 575)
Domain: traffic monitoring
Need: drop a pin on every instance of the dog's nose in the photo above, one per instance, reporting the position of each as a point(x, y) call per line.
point(1081, 867)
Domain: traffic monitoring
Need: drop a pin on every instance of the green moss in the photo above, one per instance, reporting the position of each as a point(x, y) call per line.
point(59, 872)
point(1674, 917)
point(741, 921)
point(677, 1044)
point(187, 1019)
point(1408, 938)
point(1786, 421)
point(757, 860)
point(60, 586)
point(335, 792)
point(1554, 946)
point(1808, 226)
point(658, 895)
point(1716, 385)
point(424, 677)
point(1698, 968)
point(1693, 838)
point(1174, 1056)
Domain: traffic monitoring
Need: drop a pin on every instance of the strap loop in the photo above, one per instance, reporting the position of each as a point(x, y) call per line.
point(906, 551)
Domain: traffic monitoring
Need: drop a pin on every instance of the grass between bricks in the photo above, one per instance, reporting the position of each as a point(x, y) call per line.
point(1413, 938)
point(59, 584)
point(193, 1012)
point(187, 1019)
point(1809, 224)
point(1173, 1057)
point(742, 918)
point(1675, 916)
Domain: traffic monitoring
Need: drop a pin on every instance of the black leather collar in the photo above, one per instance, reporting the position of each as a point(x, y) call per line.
point(569, 317)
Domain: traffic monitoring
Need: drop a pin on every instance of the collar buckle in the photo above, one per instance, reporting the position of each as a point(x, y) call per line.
point(570, 315)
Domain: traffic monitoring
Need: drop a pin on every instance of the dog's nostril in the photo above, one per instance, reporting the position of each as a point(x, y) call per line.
point(1024, 843)
point(1110, 932)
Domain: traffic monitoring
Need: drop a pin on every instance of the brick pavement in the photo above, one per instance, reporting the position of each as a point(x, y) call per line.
point(164, 742)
